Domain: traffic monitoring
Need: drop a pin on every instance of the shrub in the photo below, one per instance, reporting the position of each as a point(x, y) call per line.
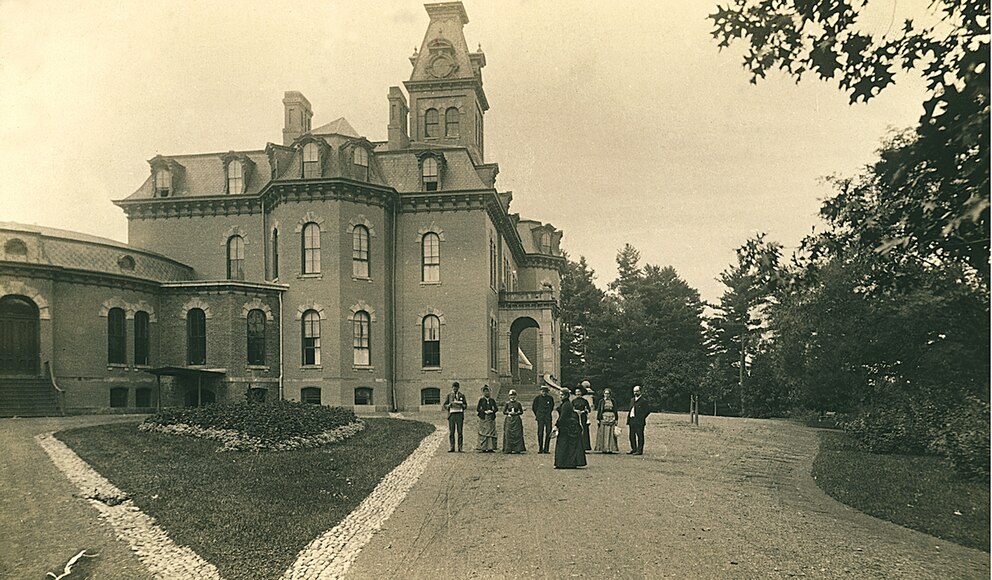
point(270, 423)
point(964, 439)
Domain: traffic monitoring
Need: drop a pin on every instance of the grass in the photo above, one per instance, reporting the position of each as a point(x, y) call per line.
point(249, 514)
point(918, 492)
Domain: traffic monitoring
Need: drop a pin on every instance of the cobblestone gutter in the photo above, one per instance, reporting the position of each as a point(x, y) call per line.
point(332, 553)
point(154, 548)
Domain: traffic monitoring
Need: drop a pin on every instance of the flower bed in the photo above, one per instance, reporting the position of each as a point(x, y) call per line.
point(246, 426)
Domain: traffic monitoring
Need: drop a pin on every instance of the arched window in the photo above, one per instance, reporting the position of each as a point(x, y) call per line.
point(431, 124)
point(235, 258)
point(15, 248)
point(142, 338)
point(430, 258)
point(275, 254)
point(545, 243)
point(310, 395)
point(361, 343)
point(360, 252)
point(118, 397)
point(430, 396)
point(429, 174)
point(163, 183)
point(311, 248)
point(361, 158)
point(451, 122)
point(256, 337)
point(432, 341)
point(116, 337)
point(363, 396)
point(235, 177)
point(196, 337)
point(311, 338)
point(311, 160)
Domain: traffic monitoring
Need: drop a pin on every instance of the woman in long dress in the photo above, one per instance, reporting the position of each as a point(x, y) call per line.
point(569, 450)
point(582, 407)
point(486, 410)
point(606, 418)
point(513, 425)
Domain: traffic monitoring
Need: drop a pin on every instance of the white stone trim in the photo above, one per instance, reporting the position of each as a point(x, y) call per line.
point(433, 228)
point(21, 289)
point(153, 546)
point(234, 231)
point(359, 306)
point(429, 310)
point(195, 303)
point(256, 304)
point(308, 218)
point(332, 553)
point(310, 305)
point(114, 302)
point(141, 306)
point(361, 220)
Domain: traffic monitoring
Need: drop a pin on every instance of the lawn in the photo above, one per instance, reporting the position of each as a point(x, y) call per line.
point(918, 492)
point(248, 513)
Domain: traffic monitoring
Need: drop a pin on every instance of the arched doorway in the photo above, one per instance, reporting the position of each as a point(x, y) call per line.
point(19, 336)
point(525, 351)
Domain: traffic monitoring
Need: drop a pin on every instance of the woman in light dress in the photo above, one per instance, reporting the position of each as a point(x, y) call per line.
point(606, 418)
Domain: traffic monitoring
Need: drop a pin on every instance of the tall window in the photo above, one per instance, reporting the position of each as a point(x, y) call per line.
point(275, 254)
point(430, 174)
point(430, 258)
point(451, 122)
point(311, 248)
point(256, 337)
point(360, 252)
point(492, 264)
point(196, 337)
point(116, 337)
point(493, 343)
point(163, 182)
point(235, 177)
point(360, 342)
point(311, 160)
point(545, 243)
point(235, 258)
point(502, 274)
point(361, 159)
point(311, 338)
point(431, 123)
point(142, 338)
point(432, 341)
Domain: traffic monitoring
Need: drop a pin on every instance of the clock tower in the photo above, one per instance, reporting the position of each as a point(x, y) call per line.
point(447, 102)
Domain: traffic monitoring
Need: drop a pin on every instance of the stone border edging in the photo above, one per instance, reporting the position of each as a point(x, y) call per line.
point(332, 553)
point(153, 546)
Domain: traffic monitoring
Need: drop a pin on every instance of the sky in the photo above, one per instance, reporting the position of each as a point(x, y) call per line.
point(618, 123)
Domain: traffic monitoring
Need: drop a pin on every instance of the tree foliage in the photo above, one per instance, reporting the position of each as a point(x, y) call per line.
point(936, 180)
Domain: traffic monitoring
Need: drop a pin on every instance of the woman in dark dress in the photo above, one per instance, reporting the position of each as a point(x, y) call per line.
point(569, 452)
point(581, 406)
point(513, 425)
point(487, 421)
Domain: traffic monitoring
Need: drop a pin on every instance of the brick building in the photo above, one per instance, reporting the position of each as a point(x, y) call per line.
point(328, 268)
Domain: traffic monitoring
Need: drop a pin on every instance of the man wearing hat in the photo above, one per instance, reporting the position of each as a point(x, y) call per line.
point(543, 405)
point(636, 417)
point(455, 404)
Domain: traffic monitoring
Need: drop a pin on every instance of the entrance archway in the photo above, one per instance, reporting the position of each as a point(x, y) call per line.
point(19, 336)
point(525, 351)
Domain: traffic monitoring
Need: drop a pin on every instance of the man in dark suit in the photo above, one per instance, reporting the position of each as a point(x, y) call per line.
point(636, 417)
point(543, 405)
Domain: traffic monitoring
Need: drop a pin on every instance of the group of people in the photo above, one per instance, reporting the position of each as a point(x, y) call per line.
point(571, 426)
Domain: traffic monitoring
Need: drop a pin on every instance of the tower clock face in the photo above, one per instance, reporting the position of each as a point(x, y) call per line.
point(441, 66)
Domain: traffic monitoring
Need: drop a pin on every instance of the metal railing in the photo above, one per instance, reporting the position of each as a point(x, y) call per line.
point(59, 393)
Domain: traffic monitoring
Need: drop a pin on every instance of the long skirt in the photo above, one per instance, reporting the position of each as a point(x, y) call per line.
point(513, 435)
point(606, 437)
point(569, 450)
point(586, 442)
point(487, 435)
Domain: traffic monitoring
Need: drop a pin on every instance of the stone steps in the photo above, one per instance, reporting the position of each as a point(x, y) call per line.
point(27, 397)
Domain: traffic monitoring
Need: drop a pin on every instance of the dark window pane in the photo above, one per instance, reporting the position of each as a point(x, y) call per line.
point(118, 397)
point(256, 337)
point(116, 337)
point(196, 337)
point(310, 395)
point(363, 396)
point(143, 397)
point(142, 338)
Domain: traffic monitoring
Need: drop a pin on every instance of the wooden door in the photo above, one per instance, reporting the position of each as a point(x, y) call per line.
point(18, 336)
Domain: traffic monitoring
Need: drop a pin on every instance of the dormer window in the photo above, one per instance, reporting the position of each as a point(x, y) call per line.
point(163, 183)
point(235, 177)
point(431, 124)
point(430, 174)
point(361, 160)
point(545, 243)
point(311, 160)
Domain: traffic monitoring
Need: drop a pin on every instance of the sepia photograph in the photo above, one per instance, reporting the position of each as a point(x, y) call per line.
point(310, 289)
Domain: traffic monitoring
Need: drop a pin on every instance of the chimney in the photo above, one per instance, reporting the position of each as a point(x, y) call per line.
point(398, 136)
point(298, 114)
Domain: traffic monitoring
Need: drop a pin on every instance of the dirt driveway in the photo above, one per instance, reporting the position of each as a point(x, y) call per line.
point(730, 499)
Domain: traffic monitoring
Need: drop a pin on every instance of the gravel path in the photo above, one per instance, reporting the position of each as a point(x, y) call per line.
point(730, 499)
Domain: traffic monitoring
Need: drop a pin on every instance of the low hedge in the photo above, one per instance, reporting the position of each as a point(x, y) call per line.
point(270, 423)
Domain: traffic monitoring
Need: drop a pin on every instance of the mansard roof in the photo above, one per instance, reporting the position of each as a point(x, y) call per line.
point(339, 126)
point(203, 174)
